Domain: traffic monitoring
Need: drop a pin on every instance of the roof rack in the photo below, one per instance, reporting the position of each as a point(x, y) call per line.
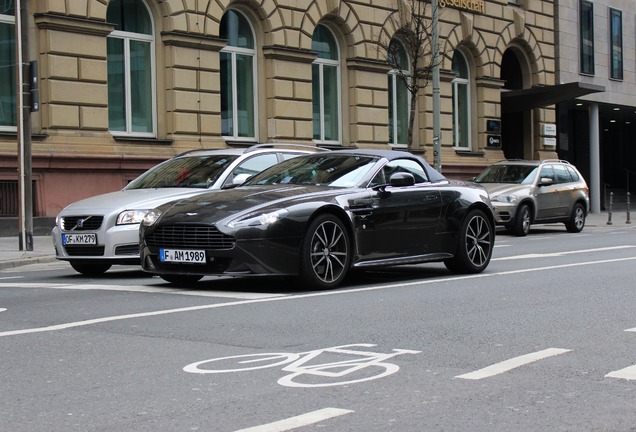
point(556, 160)
point(283, 145)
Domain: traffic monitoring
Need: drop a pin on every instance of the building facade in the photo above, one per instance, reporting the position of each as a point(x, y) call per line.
point(596, 48)
point(124, 84)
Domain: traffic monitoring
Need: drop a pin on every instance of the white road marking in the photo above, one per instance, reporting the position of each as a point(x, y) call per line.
point(558, 254)
point(3, 309)
point(157, 289)
point(299, 421)
point(512, 363)
point(629, 373)
point(303, 296)
point(11, 277)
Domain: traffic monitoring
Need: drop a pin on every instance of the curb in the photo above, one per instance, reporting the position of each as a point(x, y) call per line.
point(26, 261)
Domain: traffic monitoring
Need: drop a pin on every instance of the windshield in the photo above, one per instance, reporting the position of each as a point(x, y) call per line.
point(324, 169)
point(186, 172)
point(513, 174)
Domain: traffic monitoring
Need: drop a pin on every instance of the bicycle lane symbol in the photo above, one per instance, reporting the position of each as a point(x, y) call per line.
point(364, 366)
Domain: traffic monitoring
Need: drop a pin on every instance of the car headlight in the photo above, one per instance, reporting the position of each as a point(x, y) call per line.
point(509, 199)
point(258, 219)
point(151, 217)
point(128, 217)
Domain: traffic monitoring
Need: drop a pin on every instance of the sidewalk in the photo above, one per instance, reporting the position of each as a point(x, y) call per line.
point(43, 251)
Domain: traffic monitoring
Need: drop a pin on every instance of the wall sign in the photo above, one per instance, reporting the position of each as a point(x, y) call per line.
point(549, 129)
point(469, 5)
point(493, 126)
point(493, 141)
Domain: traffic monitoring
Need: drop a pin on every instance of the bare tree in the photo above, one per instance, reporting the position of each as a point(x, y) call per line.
point(414, 31)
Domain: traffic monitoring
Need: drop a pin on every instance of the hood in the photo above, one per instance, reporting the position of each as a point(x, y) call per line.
point(496, 189)
point(217, 205)
point(132, 199)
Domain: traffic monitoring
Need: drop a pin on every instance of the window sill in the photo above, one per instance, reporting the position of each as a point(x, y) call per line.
point(143, 140)
point(468, 153)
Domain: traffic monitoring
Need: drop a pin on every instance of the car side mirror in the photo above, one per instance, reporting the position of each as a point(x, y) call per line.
point(545, 181)
point(240, 179)
point(402, 179)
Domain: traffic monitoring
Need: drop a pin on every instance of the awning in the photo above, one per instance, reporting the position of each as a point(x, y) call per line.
point(525, 99)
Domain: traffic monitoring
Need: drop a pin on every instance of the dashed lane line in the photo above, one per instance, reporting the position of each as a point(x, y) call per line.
point(513, 363)
point(299, 421)
point(629, 373)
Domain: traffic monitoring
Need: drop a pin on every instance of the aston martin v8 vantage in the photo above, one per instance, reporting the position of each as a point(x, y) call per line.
point(316, 217)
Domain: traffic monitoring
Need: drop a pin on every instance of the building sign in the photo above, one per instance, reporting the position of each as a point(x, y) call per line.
point(493, 141)
point(493, 126)
point(469, 5)
point(549, 129)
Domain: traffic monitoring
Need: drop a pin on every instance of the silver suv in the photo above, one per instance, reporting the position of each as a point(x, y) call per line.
point(95, 233)
point(526, 192)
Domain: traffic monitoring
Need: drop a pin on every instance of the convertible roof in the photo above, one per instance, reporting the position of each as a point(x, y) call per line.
point(394, 154)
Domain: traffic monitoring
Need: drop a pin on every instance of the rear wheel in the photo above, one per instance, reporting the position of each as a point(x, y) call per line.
point(475, 244)
point(523, 218)
point(325, 253)
point(89, 269)
point(577, 219)
point(181, 280)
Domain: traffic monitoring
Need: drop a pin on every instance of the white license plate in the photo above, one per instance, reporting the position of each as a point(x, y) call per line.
point(79, 239)
point(182, 256)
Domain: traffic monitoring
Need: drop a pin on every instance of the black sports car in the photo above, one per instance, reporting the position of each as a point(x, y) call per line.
point(317, 216)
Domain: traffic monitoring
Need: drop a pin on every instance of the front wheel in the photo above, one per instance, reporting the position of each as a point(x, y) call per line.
point(476, 240)
point(325, 253)
point(577, 219)
point(523, 219)
point(89, 269)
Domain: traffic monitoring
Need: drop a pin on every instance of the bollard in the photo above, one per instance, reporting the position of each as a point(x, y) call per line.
point(628, 219)
point(609, 211)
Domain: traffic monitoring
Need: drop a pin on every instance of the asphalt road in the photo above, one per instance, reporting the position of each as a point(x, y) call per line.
point(545, 339)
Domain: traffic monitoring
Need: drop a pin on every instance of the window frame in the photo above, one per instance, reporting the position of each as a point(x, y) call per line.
point(128, 37)
point(394, 81)
point(233, 52)
point(10, 20)
point(466, 113)
point(586, 56)
point(616, 44)
point(322, 63)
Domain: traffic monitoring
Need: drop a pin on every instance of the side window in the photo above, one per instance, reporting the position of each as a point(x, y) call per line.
point(562, 174)
point(573, 174)
point(253, 165)
point(547, 171)
point(405, 165)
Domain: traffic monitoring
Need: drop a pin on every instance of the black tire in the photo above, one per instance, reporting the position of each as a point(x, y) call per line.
point(577, 219)
point(523, 219)
point(476, 240)
point(325, 253)
point(181, 280)
point(90, 269)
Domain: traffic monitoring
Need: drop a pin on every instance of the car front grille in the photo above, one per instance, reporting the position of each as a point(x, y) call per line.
point(82, 223)
point(81, 250)
point(190, 237)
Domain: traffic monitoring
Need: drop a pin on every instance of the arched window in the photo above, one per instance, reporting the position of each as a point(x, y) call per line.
point(131, 69)
point(7, 64)
point(461, 102)
point(238, 63)
point(325, 78)
point(399, 97)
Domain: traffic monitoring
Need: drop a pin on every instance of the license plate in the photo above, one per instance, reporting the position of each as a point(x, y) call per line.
point(182, 256)
point(79, 239)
